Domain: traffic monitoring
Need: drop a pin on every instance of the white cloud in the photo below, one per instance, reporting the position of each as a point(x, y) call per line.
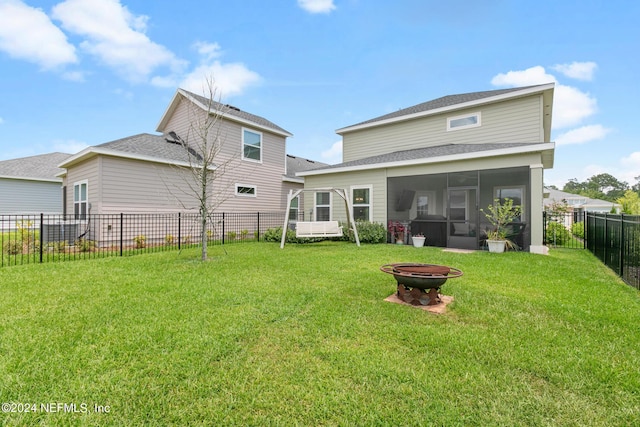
point(570, 105)
point(632, 162)
point(69, 146)
point(28, 33)
point(529, 77)
point(577, 70)
point(334, 154)
point(317, 6)
point(582, 134)
point(116, 37)
point(208, 50)
point(229, 79)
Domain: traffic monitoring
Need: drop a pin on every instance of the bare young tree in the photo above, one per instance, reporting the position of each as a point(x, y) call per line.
point(203, 144)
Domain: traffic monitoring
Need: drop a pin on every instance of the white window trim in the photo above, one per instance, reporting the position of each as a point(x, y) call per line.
point(523, 214)
point(255, 190)
point(242, 144)
point(86, 202)
point(296, 209)
point(316, 206)
point(463, 116)
point(369, 205)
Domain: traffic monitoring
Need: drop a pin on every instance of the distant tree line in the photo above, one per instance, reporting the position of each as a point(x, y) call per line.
point(607, 187)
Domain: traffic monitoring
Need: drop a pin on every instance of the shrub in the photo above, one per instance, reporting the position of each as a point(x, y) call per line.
point(577, 229)
point(169, 239)
point(85, 245)
point(557, 234)
point(140, 241)
point(275, 235)
point(244, 233)
point(368, 232)
point(13, 247)
point(231, 235)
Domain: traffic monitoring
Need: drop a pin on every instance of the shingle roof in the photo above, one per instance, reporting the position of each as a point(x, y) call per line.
point(148, 145)
point(300, 164)
point(445, 101)
point(425, 153)
point(232, 111)
point(43, 166)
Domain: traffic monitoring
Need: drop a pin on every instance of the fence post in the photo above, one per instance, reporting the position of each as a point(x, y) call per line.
point(258, 236)
point(621, 266)
point(179, 230)
point(121, 232)
point(41, 234)
point(223, 230)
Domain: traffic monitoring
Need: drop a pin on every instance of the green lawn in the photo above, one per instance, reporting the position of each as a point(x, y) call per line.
point(302, 336)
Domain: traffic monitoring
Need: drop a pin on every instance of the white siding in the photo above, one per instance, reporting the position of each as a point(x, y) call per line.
point(518, 120)
point(19, 196)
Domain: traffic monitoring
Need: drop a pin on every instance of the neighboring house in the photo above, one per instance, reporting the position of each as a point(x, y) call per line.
point(149, 173)
point(30, 185)
point(577, 205)
point(433, 166)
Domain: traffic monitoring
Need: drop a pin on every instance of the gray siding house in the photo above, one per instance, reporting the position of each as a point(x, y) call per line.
point(430, 168)
point(149, 173)
point(30, 185)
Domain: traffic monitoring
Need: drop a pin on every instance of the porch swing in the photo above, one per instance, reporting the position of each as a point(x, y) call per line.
point(319, 229)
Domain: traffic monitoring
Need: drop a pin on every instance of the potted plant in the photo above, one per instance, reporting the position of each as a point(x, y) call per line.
point(500, 215)
point(397, 230)
point(418, 240)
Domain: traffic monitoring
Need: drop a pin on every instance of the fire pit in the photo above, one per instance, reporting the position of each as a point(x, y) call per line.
point(419, 284)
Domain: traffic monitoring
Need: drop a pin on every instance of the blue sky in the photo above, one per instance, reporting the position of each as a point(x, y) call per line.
point(83, 72)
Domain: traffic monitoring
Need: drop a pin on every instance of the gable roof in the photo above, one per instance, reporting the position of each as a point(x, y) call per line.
point(300, 164)
point(144, 146)
point(227, 111)
point(553, 195)
point(457, 102)
point(43, 167)
point(438, 154)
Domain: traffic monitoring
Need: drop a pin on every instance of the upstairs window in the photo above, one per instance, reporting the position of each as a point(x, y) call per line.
point(463, 122)
point(251, 145)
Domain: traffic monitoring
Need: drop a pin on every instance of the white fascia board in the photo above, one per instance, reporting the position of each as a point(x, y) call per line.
point(30, 178)
point(95, 151)
point(434, 160)
point(292, 179)
point(461, 106)
point(168, 112)
point(231, 117)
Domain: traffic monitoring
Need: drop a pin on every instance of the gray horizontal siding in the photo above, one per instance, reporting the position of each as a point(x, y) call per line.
point(518, 120)
point(30, 197)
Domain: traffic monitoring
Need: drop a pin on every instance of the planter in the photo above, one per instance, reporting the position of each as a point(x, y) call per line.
point(418, 241)
point(496, 246)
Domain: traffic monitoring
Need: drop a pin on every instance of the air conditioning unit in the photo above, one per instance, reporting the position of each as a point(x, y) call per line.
point(59, 232)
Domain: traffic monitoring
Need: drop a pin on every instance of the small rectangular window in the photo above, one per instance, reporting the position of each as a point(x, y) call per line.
point(251, 145)
point(463, 122)
point(246, 190)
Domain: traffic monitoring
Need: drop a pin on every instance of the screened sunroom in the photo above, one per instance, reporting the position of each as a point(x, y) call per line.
point(446, 207)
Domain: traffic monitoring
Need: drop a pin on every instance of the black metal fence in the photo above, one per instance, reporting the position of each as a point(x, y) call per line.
point(41, 238)
point(564, 230)
point(615, 240)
